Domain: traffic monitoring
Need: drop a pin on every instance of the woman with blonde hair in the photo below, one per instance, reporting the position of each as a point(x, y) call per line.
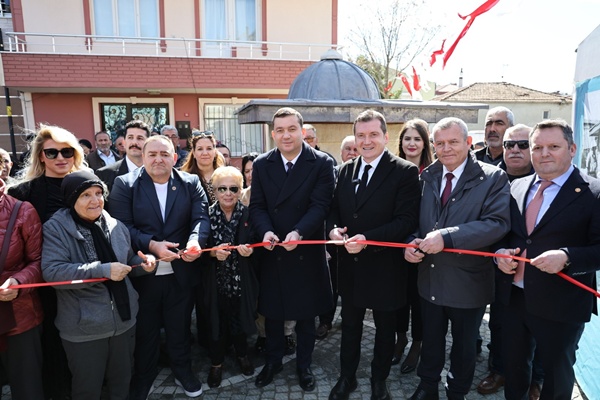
point(55, 152)
point(203, 160)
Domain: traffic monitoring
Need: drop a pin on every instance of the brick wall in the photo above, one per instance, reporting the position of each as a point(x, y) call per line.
point(76, 71)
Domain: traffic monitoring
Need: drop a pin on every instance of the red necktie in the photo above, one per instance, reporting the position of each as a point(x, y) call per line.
point(447, 188)
point(531, 214)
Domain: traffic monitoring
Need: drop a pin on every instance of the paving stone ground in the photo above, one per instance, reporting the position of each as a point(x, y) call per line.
point(325, 367)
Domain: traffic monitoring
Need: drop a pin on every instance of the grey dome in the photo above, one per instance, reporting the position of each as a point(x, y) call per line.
point(332, 78)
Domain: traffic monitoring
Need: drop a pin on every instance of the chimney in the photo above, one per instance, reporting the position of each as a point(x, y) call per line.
point(460, 79)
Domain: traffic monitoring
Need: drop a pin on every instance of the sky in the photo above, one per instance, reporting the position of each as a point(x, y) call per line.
point(530, 43)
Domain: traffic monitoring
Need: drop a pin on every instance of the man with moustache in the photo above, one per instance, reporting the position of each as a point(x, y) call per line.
point(555, 215)
point(497, 121)
point(464, 205)
point(136, 133)
point(376, 198)
point(292, 186)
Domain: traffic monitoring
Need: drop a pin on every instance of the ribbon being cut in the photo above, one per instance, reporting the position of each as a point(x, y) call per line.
point(334, 242)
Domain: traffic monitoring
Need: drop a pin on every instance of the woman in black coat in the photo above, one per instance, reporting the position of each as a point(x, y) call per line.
point(230, 284)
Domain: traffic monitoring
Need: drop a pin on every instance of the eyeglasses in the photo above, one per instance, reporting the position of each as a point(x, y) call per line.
point(5, 161)
point(232, 189)
point(66, 152)
point(509, 144)
point(309, 139)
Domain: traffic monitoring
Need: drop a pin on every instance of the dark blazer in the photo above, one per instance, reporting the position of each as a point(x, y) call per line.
point(294, 285)
point(248, 283)
point(133, 201)
point(572, 223)
point(95, 162)
point(387, 211)
point(110, 172)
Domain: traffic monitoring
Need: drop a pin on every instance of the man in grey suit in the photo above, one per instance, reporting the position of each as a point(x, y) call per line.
point(292, 187)
point(464, 205)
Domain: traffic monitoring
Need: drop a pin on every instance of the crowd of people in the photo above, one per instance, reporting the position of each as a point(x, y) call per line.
point(119, 236)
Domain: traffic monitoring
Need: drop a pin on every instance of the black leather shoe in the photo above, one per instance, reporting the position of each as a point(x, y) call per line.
point(323, 330)
point(379, 390)
point(412, 359)
point(421, 394)
point(306, 379)
point(214, 377)
point(290, 345)
point(246, 366)
point(265, 376)
point(343, 388)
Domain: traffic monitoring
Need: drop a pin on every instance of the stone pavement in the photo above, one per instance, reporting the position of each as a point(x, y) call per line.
point(325, 367)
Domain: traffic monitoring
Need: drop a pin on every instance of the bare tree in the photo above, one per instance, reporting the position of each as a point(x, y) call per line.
point(388, 38)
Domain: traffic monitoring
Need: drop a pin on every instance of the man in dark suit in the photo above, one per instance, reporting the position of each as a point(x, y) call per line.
point(464, 205)
point(555, 219)
point(136, 133)
point(103, 155)
point(376, 198)
point(292, 187)
point(164, 210)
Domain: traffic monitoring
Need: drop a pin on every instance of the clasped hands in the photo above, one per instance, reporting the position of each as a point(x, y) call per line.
point(550, 262)
point(350, 243)
point(221, 253)
point(433, 243)
point(272, 238)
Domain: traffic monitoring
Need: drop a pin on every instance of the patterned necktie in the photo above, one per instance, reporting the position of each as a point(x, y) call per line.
point(531, 214)
point(363, 181)
point(447, 188)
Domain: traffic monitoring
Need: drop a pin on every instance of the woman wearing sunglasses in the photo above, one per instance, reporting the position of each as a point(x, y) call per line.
point(229, 282)
point(55, 152)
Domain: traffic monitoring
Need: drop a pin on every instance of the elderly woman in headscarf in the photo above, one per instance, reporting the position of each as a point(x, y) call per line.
point(96, 320)
point(230, 284)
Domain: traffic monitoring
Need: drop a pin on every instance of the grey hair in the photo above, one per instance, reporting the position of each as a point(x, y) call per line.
point(168, 128)
point(449, 122)
point(506, 111)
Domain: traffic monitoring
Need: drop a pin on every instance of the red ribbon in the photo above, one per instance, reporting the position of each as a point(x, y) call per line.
point(321, 242)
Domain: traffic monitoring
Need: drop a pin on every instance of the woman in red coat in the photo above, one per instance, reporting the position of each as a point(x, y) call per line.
point(20, 309)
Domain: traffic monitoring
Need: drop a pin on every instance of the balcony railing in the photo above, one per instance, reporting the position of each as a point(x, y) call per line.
point(162, 47)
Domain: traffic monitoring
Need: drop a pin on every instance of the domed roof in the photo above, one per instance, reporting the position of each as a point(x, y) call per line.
point(332, 78)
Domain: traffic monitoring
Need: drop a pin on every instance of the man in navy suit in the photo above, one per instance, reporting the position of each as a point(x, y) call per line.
point(165, 210)
point(292, 187)
point(555, 222)
point(386, 209)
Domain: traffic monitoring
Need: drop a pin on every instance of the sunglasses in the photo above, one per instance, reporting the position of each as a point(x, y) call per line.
point(232, 189)
point(67, 152)
point(208, 134)
point(509, 144)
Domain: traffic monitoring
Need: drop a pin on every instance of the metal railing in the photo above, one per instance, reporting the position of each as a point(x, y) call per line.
point(19, 42)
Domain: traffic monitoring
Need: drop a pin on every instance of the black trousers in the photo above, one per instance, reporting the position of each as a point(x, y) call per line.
point(352, 328)
point(305, 338)
point(163, 302)
point(463, 356)
point(93, 362)
point(412, 309)
point(556, 342)
point(23, 363)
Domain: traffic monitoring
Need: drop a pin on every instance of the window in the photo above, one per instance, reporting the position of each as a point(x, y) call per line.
point(241, 139)
point(116, 116)
point(546, 114)
point(4, 7)
point(231, 20)
point(133, 18)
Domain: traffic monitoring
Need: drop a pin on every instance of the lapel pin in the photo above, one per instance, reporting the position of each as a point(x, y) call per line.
point(173, 188)
point(577, 190)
